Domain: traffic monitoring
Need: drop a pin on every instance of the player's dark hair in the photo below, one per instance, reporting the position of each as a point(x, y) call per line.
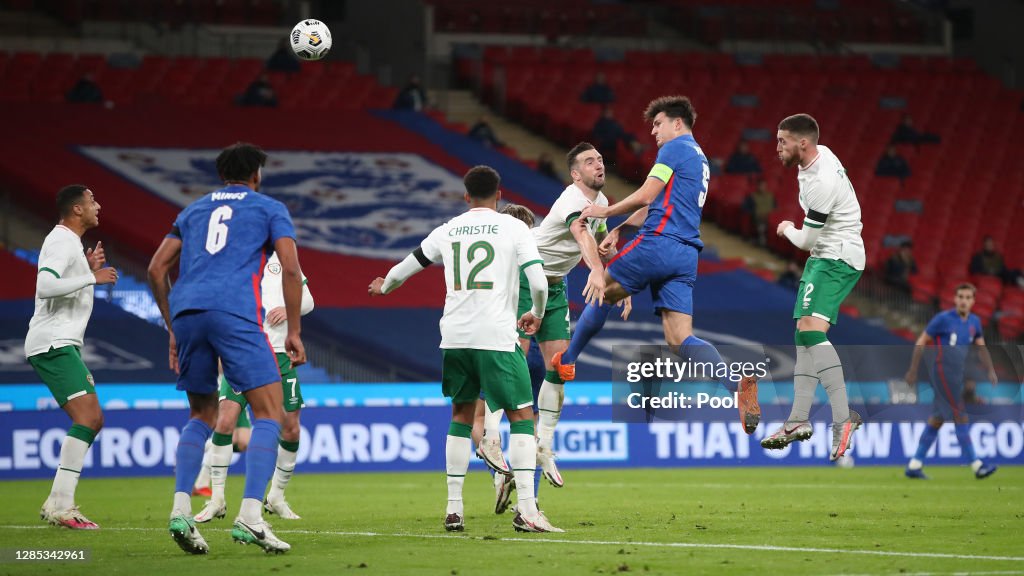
point(570, 158)
point(520, 212)
point(801, 125)
point(966, 286)
point(68, 196)
point(482, 182)
point(673, 107)
point(240, 161)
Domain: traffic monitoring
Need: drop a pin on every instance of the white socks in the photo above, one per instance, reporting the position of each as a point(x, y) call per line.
point(805, 382)
point(282, 474)
point(220, 459)
point(252, 510)
point(492, 422)
point(72, 457)
point(182, 505)
point(830, 372)
point(549, 410)
point(456, 456)
point(523, 459)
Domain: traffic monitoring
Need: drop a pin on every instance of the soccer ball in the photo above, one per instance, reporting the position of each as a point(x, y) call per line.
point(311, 39)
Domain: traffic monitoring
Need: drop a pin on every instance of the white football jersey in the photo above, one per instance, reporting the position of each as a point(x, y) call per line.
point(830, 203)
point(482, 252)
point(273, 297)
point(60, 321)
point(556, 244)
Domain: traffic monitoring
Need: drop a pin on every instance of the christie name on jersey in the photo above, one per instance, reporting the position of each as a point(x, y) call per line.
point(474, 230)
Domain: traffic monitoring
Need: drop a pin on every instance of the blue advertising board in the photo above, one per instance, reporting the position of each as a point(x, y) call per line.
point(412, 438)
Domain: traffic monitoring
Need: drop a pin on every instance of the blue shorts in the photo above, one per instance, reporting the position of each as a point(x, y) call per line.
point(203, 336)
point(948, 384)
point(668, 266)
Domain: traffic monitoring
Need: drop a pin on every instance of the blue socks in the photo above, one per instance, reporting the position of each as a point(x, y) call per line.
point(704, 351)
point(926, 441)
point(261, 457)
point(963, 436)
point(189, 454)
point(535, 363)
point(589, 324)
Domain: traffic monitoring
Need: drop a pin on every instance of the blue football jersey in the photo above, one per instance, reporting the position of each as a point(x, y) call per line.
point(675, 213)
point(226, 238)
point(953, 337)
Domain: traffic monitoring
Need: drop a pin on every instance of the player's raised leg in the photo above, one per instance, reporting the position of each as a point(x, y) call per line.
point(549, 412)
point(831, 232)
point(589, 325)
point(701, 350)
point(489, 446)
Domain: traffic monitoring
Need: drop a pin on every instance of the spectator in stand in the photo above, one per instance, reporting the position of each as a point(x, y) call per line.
point(715, 164)
point(900, 267)
point(892, 165)
point(86, 90)
point(742, 161)
point(989, 262)
point(484, 134)
point(758, 205)
point(607, 134)
point(599, 92)
point(259, 93)
point(546, 166)
point(283, 59)
point(790, 277)
point(906, 134)
point(412, 96)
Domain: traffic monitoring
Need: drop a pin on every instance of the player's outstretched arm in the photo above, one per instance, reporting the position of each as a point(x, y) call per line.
point(399, 273)
point(634, 222)
point(640, 199)
point(594, 290)
point(291, 286)
point(587, 244)
point(915, 360)
point(165, 258)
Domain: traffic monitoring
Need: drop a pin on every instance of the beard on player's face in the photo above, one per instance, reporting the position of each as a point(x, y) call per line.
point(789, 156)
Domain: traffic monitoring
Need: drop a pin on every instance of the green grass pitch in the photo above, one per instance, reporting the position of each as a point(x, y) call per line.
point(694, 521)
